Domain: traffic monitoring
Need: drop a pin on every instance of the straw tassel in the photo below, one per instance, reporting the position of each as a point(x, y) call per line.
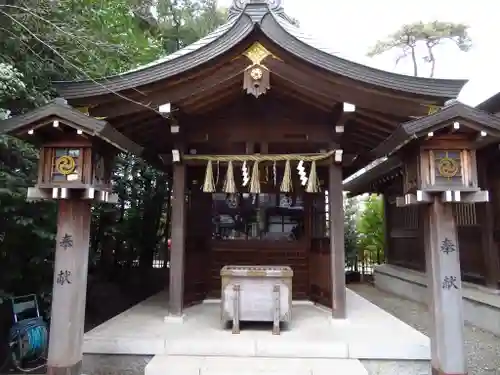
point(229, 184)
point(209, 184)
point(218, 174)
point(255, 180)
point(286, 184)
point(312, 182)
point(274, 173)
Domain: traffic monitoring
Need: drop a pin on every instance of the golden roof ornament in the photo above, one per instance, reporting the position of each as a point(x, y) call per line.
point(256, 53)
point(256, 79)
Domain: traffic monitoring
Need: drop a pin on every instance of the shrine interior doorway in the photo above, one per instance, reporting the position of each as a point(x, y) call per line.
point(270, 228)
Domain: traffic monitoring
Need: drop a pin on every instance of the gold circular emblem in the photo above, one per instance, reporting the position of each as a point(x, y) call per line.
point(448, 167)
point(65, 165)
point(256, 73)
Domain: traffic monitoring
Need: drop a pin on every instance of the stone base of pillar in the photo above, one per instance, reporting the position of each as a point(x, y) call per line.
point(174, 318)
point(75, 369)
point(439, 372)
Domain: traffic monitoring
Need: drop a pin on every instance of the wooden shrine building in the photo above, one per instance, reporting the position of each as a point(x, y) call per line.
point(259, 125)
point(258, 96)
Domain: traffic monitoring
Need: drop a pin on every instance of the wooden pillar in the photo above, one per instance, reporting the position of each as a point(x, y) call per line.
point(177, 251)
point(491, 255)
point(387, 228)
point(489, 246)
point(444, 284)
point(70, 288)
point(337, 252)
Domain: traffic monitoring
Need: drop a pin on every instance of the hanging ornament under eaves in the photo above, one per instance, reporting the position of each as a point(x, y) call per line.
point(302, 173)
point(244, 174)
point(256, 80)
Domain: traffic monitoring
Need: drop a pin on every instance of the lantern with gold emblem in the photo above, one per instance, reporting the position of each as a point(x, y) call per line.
point(76, 152)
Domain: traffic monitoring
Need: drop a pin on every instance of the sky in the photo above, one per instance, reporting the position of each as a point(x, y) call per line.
point(351, 27)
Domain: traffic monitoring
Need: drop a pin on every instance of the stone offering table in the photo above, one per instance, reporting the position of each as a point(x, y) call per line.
point(256, 293)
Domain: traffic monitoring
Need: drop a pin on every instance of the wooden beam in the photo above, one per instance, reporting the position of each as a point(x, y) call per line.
point(366, 139)
point(172, 93)
point(381, 117)
point(372, 124)
point(303, 83)
point(421, 197)
point(325, 103)
point(130, 120)
point(366, 146)
point(375, 100)
point(367, 129)
point(221, 95)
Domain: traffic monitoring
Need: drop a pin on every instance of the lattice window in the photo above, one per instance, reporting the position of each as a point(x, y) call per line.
point(465, 214)
point(404, 217)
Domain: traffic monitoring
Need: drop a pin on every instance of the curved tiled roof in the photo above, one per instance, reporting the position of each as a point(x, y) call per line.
point(276, 25)
point(421, 126)
point(61, 110)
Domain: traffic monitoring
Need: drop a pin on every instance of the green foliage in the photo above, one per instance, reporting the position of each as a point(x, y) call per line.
point(409, 38)
point(351, 208)
point(371, 229)
point(12, 87)
point(42, 41)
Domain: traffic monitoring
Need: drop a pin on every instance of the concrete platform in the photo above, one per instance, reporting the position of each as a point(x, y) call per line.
point(481, 305)
point(368, 333)
point(167, 365)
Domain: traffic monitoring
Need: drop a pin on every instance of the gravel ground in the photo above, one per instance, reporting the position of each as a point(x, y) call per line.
point(483, 348)
point(97, 364)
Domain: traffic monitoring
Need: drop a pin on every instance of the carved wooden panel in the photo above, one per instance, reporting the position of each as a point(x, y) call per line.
point(406, 239)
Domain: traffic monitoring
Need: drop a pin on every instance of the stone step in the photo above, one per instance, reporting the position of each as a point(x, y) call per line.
point(219, 365)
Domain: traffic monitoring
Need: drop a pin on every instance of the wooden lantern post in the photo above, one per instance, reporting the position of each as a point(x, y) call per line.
point(442, 172)
point(75, 167)
point(75, 171)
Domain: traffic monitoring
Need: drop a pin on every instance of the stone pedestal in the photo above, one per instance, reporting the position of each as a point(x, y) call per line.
point(443, 272)
point(70, 288)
